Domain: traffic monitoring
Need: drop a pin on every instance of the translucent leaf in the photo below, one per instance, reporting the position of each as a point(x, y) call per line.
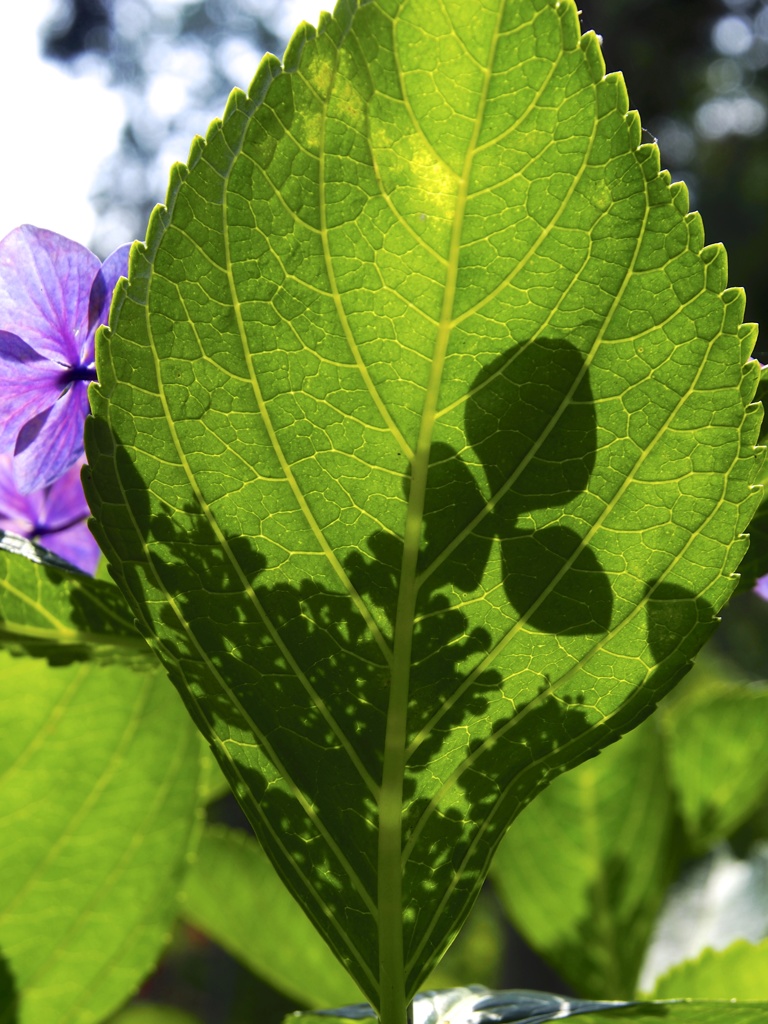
point(421, 448)
point(98, 786)
point(234, 896)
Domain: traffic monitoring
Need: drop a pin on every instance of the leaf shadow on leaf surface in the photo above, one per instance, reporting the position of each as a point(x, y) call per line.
point(292, 685)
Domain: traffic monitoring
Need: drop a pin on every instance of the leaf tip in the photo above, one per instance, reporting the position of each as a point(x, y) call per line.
point(267, 71)
point(590, 46)
point(292, 56)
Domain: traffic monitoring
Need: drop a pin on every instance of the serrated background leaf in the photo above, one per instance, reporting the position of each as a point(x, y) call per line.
point(717, 901)
point(738, 972)
point(48, 612)
point(584, 870)
point(420, 445)
point(98, 789)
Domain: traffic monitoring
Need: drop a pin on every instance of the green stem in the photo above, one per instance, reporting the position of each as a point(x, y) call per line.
point(393, 1007)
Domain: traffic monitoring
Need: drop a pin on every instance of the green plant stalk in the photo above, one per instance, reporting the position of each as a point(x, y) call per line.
point(394, 1004)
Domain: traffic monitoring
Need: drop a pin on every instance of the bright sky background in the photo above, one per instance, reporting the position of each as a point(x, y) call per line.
point(57, 128)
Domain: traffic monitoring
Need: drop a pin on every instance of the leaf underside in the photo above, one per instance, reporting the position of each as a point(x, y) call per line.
point(419, 448)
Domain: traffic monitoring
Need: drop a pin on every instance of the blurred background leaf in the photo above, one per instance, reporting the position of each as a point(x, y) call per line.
point(584, 869)
point(98, 785)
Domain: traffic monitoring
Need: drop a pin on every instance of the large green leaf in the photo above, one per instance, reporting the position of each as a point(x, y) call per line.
point(98, 789)
point(738, 972)
point(419, 448)
point(48, 611)
point(584, 869)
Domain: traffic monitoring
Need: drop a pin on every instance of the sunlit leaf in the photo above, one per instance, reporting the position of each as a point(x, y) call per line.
point(420, 448)
point(98, 789)
point(755, 562)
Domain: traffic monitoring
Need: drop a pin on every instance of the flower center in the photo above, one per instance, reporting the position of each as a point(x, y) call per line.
point(76, 373)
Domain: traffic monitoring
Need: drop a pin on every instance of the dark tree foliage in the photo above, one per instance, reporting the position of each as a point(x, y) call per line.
point(666, 53)
point(79, 26)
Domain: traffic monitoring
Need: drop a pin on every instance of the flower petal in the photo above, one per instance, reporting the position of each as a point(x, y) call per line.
point(64, 501)
point(114, 267)
point(62, 524)
point(29, 385)
point(16, 510)
point(76, 545)
point(45, 288)
point(54, 517)
point(47, 453)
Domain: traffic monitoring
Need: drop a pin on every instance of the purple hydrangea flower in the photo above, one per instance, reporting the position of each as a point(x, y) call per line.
point(761, 587)
point(54, 294)
point(53, 517)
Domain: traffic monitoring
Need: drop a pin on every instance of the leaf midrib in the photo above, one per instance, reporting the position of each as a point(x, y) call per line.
point(393, 775)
